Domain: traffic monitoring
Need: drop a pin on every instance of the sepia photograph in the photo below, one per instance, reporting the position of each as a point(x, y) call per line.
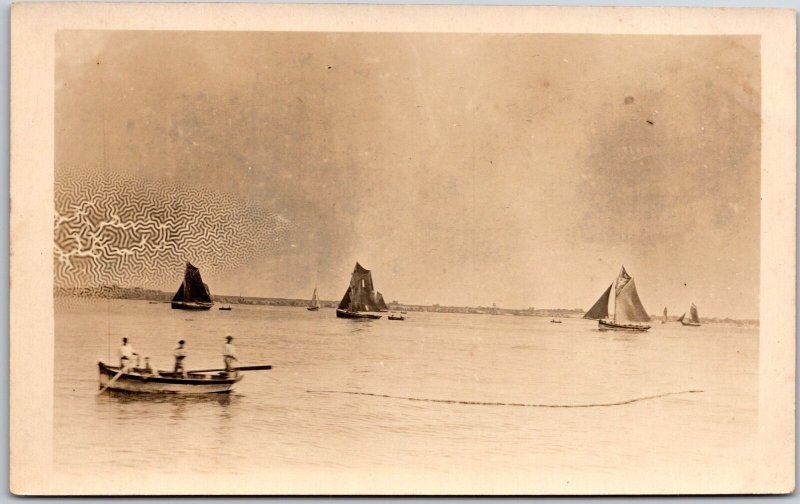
point(413, 261)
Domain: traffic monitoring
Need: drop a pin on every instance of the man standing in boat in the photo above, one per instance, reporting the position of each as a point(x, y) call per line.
point(229, 354)
point(126, 353)
point(180, 354)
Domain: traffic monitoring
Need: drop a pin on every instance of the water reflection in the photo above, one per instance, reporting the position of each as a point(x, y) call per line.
point(122, 397)
point(360, 325)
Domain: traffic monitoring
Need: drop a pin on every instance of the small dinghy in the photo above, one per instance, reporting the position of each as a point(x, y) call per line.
point(394, 316)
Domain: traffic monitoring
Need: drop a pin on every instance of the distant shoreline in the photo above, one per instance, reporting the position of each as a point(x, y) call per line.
point(138, 293)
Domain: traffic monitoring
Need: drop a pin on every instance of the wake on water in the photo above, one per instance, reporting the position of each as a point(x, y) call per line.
point(525, 405)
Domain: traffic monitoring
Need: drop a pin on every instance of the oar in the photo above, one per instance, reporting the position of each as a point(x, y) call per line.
point(111, 382)
point(243, 368)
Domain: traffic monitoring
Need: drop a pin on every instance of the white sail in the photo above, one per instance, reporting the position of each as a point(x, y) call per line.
point(627, 305)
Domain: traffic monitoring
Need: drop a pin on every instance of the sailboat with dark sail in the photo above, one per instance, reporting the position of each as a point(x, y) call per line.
point(193, 294)
point(360, 298)
point(314, 306)
point(694, 318)
point(664, 318)
point(629, 313)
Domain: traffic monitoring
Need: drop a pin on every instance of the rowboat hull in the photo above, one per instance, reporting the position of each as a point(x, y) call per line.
point(313, 308)
point(165, 384)
point(396, 318)
point(606, 325)
point(356, 315)
point(182, 305)
point(690, 324)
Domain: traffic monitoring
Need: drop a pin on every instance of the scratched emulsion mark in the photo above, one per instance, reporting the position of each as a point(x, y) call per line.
point(114, 230)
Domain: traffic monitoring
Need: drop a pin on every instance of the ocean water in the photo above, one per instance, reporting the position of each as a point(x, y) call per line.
point(446, 394)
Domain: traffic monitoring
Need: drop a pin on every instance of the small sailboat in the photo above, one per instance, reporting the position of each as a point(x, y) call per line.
point(694, 319)
point(314, 306)
point(629, 314)
point(359, 299)
point(664, 319)
point(193, 294)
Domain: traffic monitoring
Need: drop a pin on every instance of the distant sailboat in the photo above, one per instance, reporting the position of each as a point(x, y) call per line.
point(664, 320)
point(628, 310)
point(193, 294)
point(314, 306)
point(359, 297)
point(694, 319)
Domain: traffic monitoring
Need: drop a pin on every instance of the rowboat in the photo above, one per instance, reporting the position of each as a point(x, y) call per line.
point(160, 382)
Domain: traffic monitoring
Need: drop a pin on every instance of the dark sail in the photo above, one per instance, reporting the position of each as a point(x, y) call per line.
point(680, 319)
point(693, 314)
point(380, 303)
point(628, 307)
point(362, 295)
point(600, 308)
point(192, 290)
point(345, 303)
point(179, 295)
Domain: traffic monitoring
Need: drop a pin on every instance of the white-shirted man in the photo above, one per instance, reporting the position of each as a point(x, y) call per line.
point(229, 354)
point(126, 353)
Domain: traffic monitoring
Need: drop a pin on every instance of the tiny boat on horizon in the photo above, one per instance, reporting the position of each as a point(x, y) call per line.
point(314, 301)
point(694, 319)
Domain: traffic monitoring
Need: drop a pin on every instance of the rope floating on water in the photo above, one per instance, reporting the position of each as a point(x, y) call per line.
point(524, 405)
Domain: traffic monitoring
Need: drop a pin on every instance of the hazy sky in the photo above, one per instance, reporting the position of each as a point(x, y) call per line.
point(462, 169)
